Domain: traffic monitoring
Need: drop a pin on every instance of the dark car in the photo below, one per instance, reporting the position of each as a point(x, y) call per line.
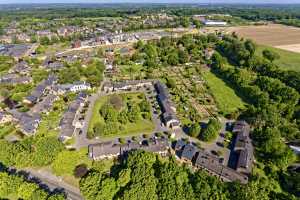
point(220, 144)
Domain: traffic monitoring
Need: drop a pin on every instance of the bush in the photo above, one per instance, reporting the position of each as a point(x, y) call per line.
point(80, 170)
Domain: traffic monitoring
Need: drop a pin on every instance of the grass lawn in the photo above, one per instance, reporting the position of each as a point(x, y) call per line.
point(288, 60)
point(50, 122)
point(225, 97)
point(141, 126)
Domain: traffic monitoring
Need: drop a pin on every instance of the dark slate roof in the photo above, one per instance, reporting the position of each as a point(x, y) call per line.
point(40, 89)
point(109, 148)
point(66, 123)
point(188, 152)
point(179, 145)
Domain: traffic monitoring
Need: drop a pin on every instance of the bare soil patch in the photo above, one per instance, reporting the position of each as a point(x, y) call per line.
point(272, 34)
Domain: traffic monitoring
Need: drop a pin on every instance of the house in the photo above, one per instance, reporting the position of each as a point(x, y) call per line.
point(71, 121)
point(14, 79)
point(179, 145)
point(188, 153)
point(75, 87)
point(109, 150)
point(40, 90)
point(45, 33)
point(16, 50)
point(208, 162)
point(76, 44)
point(169, 117)
point(21, 67)
point(243, 147)
point(126, 85)
point(52, 65)
point(23, 37)
point(79, 86)
point(7, 39)
point(5, 117)
point(215, 23)
point(27, 122)
point(106, 150)
point(45, 105)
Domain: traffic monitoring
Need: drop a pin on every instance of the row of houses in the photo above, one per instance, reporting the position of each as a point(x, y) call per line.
point(108, 150)
point(72, 119)
point(27, 122)
point(14, 79)
point(167, 107)
point(40, 90)
point(213, 165)
point(126, 85)
point(17, 51)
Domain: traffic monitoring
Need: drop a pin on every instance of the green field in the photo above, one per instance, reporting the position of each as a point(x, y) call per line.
point(288, 60)
point(225, 97)
point(141, 126)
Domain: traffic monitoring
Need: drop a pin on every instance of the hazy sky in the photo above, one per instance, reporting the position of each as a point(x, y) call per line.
point(148, 1)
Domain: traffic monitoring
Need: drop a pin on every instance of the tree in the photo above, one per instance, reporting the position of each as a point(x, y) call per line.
point(183, 57)
point(270, 55)
point(212, 130)
point(173, 59)
point(44, 40)
point(194, 130)
point(80, 170)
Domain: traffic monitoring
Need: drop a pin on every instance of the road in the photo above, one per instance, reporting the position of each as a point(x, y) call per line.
point(82, 140)
point(52, 182)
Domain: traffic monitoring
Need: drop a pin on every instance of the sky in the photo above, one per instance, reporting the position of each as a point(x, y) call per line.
point(149, 1)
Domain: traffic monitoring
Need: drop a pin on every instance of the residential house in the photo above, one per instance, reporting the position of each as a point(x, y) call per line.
point(14, 79)
point(243, 147)
point(16, 50)
point(23, 37)
point(27, 122)
point(188, 153)
point(71, 121)
point(109, 150)
point(126, 85)
point(40, 90)
point(45, 105)
point(169, 117)
point(21, 67)
point(5, 117)
point(215, 23)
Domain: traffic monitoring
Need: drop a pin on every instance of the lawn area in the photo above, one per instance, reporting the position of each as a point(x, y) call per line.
point(288, 60)
point(50, 122)
point(225, 97)
point(141, 125)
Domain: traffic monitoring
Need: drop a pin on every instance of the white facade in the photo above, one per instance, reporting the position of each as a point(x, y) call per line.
point(80, 87)
point(215, 23)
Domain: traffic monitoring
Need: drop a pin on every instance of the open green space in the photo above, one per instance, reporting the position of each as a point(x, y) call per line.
point(288, 60)
point(123, 124)
point(226, 99)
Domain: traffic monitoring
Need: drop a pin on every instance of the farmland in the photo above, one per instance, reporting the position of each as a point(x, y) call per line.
point(281, 35)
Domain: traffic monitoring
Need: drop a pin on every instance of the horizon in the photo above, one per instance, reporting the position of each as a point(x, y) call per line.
point(45, 2)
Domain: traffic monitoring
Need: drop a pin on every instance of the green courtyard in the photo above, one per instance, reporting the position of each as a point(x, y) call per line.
point(120, 115)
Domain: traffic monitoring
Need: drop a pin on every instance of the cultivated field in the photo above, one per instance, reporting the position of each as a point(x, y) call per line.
point(275, 35)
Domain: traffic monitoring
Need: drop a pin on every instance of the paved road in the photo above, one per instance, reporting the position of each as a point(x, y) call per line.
point(83, 141)
point(52, 182)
